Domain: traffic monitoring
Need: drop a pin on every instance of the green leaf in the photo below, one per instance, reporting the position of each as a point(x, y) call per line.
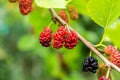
point(51, 3)
point(104, 12)
point(113, 33)
point(27, 42)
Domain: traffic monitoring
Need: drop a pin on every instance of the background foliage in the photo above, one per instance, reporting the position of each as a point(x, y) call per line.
point(23, 58)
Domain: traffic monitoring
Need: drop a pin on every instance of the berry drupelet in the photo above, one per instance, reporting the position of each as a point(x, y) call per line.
point(90, 64)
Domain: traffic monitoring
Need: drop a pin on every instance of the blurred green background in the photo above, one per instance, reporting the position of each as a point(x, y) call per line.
point(23, 58)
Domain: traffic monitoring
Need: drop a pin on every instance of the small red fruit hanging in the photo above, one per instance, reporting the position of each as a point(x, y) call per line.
point(46, 37)
point(71, 40)
point(111, 50)
point(59, 37)
point(62, 14)
point(25, 6)
point(115, 59)
point(73, 12)
point(114, 54)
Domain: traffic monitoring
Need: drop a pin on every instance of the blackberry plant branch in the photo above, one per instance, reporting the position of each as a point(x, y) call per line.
point(83, 40)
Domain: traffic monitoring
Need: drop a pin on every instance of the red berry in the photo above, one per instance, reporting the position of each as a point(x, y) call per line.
point(63, 15)
point(71, 40)
point(104, 78)
point(25, 6)
point(73, 12)
point(12, 1)
point(56, 42)
point(110, 50)
point(46, 37)
point(59, 37)
point(115, 59)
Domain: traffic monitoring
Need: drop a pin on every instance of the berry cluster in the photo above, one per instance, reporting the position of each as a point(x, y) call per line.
point(63, 36)
point(60, 38)
point(90, 64)
point(114, 55)
point(66, 38)
point(104, 78)
point(25, 6)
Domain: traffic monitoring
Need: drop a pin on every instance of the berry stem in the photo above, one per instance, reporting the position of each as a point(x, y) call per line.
point(90, 54)
point(98, 45)
point(108, 72)
point(67, 26)
point(103, 37)
point(50, 24)
point(83, 40)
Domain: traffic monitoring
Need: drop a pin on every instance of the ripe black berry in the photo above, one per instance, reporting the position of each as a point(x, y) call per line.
point(90, 64)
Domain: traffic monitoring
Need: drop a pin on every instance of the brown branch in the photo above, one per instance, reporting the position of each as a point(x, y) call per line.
point(83, 40)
